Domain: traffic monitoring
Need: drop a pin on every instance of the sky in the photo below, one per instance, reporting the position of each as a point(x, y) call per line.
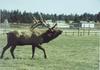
point(53, 6)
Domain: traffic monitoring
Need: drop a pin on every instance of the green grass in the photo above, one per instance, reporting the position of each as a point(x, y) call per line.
point(64, 53)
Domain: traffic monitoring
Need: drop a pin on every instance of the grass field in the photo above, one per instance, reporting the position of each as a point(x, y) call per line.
point(64, 53)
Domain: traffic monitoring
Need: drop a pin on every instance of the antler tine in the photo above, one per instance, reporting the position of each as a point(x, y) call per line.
point(54, 26)
point(36, 23)
point(46, 24)
point(41, 18)
point(35, 19)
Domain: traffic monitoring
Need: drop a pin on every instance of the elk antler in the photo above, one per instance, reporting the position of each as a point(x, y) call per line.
point(54, 26)
point(35, 19)
point(36, 24)
point(46, 24)
point(41, 19)
point(41, 22)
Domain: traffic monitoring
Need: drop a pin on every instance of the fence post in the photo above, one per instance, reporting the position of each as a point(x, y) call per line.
point(83, 31)
point(95, 33)
point(78, 32)
point(73, 33)
point(0, 16)
point(65, 33)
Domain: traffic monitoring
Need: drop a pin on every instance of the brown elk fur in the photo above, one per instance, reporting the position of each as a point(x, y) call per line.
point(15, 38)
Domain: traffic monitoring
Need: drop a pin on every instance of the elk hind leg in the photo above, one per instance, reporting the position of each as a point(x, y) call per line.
point(4, 49)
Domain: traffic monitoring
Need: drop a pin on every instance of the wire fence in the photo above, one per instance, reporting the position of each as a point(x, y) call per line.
point(82, 33)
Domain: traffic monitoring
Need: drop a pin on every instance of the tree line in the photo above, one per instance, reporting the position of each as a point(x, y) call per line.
point(16, 16)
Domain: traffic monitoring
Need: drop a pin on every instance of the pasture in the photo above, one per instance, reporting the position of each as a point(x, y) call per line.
point(67, 52)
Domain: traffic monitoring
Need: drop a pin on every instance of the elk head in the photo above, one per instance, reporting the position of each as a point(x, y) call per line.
point(51, 34)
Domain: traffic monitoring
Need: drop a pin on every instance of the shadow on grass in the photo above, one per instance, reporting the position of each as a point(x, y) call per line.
point(7, 58)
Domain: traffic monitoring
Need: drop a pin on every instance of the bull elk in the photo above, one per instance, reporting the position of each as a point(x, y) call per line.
point(36, 41)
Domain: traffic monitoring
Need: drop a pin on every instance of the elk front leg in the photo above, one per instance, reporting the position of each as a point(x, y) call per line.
point(12, 51)
point(33, 51)
point(45, 56)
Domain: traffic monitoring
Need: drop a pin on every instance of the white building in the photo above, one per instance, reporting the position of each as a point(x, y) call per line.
point(85, 24)
point(60, 24)
point(63, 25)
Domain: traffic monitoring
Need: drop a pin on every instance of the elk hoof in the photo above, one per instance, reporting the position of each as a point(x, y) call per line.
point(1, 57)
point(13, 57)
point(33, 58)
point(45, 57)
